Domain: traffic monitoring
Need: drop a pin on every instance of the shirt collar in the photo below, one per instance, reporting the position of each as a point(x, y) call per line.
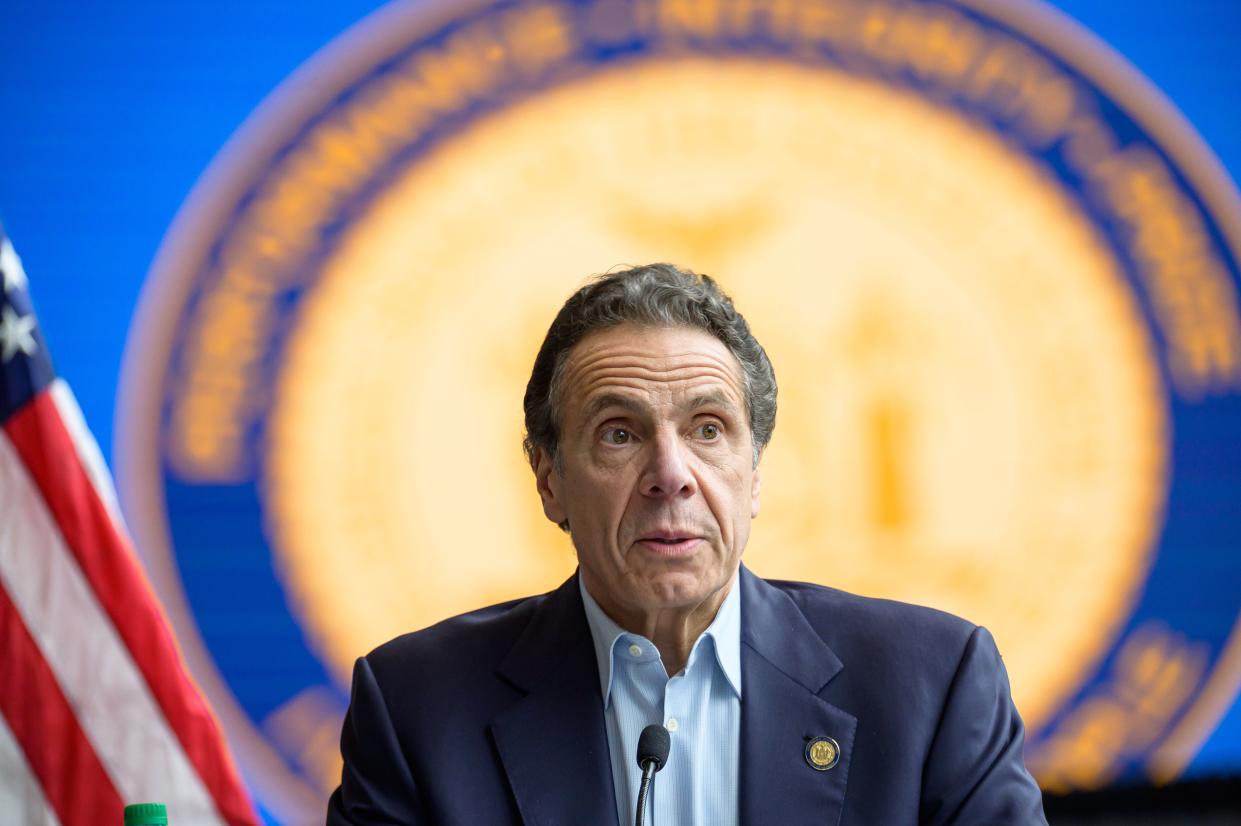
point(724, 633)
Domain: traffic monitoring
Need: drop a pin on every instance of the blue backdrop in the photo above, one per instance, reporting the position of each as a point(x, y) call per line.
point(112, 111)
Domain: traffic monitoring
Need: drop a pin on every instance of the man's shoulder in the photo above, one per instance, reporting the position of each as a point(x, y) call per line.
point(476, 640)
point(850, 622)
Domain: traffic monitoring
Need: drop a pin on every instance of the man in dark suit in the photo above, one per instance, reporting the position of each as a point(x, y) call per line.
point(647, 412)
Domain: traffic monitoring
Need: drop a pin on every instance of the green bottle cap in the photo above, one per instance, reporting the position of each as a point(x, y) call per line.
point(146, 814)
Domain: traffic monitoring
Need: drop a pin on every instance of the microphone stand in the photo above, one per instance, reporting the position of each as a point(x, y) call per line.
point(648, 772)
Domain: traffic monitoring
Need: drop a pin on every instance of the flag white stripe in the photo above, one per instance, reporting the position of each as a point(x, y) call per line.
point(88, 453)
point(21, 798)
point(95, 671)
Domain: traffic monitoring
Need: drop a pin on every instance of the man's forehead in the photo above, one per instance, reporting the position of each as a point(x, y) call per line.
point(628, 359)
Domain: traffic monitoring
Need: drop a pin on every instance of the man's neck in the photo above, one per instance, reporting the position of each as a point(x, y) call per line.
point(672, 630)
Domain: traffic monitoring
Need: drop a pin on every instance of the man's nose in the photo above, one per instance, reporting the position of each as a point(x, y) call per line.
point(667, 472)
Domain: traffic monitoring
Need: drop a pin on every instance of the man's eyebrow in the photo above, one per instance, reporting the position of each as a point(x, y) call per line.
point(717, 397)
point(600, 403)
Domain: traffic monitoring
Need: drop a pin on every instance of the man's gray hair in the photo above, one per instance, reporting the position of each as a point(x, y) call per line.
point(654, 295)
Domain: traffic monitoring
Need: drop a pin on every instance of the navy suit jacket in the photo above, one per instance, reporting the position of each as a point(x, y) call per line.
point(495, 718)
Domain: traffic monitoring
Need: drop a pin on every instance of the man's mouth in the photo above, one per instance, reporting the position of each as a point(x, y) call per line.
point(670, 544)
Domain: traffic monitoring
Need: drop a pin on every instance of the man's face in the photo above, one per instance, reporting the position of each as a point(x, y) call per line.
point(656, 477)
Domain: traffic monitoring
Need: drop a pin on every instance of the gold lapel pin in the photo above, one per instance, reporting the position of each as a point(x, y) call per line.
point(822, 753)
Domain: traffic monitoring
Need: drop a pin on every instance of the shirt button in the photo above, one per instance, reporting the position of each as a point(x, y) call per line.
point(635, 650)
point(671, 725)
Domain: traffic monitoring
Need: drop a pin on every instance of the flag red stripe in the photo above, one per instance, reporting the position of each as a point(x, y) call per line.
point(47, 731)
point(108, 564)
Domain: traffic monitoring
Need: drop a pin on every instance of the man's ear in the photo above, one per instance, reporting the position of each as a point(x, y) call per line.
point(547, 480)
point(755, 484)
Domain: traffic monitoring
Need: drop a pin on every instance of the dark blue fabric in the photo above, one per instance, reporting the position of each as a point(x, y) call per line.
point(494, 717)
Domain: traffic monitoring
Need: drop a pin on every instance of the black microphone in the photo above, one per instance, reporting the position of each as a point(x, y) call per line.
point(653, 745)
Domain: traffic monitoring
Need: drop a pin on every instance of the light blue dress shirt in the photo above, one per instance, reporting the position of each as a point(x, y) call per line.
point(700, 706)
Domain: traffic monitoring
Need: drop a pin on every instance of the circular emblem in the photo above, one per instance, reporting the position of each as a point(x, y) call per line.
point(822, 753)
point(997, 277)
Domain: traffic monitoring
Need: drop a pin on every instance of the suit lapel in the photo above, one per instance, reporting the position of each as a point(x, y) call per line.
point(784, 666)
point(553, 741)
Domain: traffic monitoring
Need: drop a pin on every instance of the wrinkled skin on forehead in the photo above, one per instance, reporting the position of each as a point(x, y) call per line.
point(656, 477)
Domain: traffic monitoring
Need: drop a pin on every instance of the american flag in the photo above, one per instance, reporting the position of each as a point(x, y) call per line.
point(97, 709)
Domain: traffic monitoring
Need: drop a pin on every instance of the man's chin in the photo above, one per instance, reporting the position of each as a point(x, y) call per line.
point(674, 590)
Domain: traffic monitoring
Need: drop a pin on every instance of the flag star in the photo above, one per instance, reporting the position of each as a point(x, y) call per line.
point(15, 334)
point(11, 268)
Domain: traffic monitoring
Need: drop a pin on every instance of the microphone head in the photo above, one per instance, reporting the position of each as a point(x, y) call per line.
point(653, 746)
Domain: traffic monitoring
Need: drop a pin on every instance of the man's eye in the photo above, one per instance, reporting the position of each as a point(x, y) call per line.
point(709, 430)
point(616, 436)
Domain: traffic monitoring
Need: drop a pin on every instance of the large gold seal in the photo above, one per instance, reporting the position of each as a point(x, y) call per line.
point(970, 414)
